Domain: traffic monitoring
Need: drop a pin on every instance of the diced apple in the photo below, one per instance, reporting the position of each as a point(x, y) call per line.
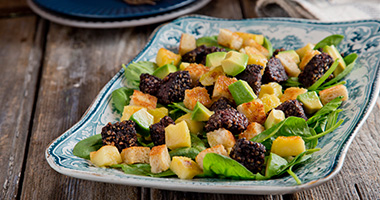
point(106, 156)
point(255, 57)
point(195, 127)
point(302, 51)
point(165, 56)
point(246, 36)
point(177, 135)
point(271, 88)
point(210, 77)
point(158, 113)
point(289, 64)
point(288, 146)
point(270, 101)
point(128, 112)
point(184, 167)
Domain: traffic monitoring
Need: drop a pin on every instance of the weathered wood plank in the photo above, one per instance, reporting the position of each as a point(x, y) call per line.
point(248, 8)
point(13, 7)
point(20, 57)
point(78, 63)
point(223, 9)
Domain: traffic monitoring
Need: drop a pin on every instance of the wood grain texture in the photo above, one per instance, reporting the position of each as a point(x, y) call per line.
point(78, 63)
point(20, 57)
point(14, 7)
point(248, 8)
point(223, 9)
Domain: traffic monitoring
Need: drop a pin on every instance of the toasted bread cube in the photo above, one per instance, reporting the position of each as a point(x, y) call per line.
point(331, 93)
point(221, 87)
point(246, 36)
point(253, 129)
point(221, 136)
point(177, 135)
point(187, 43)
point(219, 149)
point(292, 93)
point(270, 101)
point(195, 127)
point(165, 56)
point(254, 44)
point(133, 155)
point(106, 156)
point(307, 57)
point(196, 94)
point(229, 39)
point(254, 111)
point(255, 57)
point(288, 146)
point(184, 167)
point(128, 112)
point(196, 71)
point(159, 159)
point(271, 88)
point(145, 100)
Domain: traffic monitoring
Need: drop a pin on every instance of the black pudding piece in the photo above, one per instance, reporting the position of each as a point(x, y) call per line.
point(292, 108)
point(221, 104)
point(315, 69)
point(275, 52)
point(149, 84)
point(173, 87)
point(250, 154)
point(198, 55)
point(120, 134)
point(274, 71)
point(157, 130)
point(228, 118)
point(252, 74)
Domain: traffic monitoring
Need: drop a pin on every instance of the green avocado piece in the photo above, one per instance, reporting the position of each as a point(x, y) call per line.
point(274, 164)
point(291, 54)
point(163, 71)
point(241, 92)
point(234, 63)
point(334, 53)
point(215, 59)
point(201, 113)
point(311, 102)
point(143, 120)
point(274, 117)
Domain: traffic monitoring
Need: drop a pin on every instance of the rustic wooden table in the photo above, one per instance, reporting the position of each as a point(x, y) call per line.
point(50, 74)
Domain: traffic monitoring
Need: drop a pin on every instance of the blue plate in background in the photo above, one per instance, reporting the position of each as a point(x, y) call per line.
point(109, 9)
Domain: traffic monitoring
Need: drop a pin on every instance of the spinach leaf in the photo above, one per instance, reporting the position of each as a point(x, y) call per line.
point(180, 106)
point(291, 173)
point(275, 164)
point(84, 147)
point(142, 169)
point(329, 40)
point(268, 45)
point(325, 110)
point(189, 152)
point(121, 97)
point(225, 167)
point(350, 61)
point(210, 41)
point(145, 143)
point(320, 125)
point(325, 76)
point(292, 82)
point(197, 143)
point(314, 137)
point(133, 71)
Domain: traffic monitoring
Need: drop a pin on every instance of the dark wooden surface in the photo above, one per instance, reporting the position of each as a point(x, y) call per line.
point(50, 74)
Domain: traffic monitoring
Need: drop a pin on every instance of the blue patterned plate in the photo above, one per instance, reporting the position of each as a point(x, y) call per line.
point(361, 37)
point(109, 9)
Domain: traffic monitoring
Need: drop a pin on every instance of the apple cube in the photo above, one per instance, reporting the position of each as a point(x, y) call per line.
point(106, 156)
point(288, 146)
point(184, 167)
point(177, 135)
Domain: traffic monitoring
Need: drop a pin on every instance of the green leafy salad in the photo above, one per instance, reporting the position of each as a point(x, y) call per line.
point(226, 106)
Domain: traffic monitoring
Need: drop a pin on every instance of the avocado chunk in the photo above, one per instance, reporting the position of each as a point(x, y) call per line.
point(163, 71)
point(143, 120)
point(334, 53)
point(215, 59)
point(292, 55)
point(241, 92)
point(274, 117)
point(201, 113)
point(234, 63)
point(275, 164)
point(311, 102)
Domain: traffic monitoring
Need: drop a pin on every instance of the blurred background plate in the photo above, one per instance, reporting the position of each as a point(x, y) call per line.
point(109, 9)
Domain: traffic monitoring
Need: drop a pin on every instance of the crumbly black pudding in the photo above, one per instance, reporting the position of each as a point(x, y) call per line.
point(198, 55)
point(252, 75)
point(228, 118)
point(149, 84)
point(221, 104)
point(120, 134)
point(292, 108)
point(274, 71)
point(315, 69)
point(173, 87)
point(157, 130)
point(250, 154)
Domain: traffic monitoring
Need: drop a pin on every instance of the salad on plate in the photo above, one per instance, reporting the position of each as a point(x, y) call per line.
point(225, 106)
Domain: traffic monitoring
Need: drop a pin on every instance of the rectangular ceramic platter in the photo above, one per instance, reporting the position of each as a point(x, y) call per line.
point(361, 37)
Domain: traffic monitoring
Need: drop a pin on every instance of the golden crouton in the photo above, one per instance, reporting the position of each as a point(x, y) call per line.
point(159, 159)
point(253, 129)
point(331, 93)
point(196, 94)
point(253, 43)
point(145, 100)
point(230, 39)
point(221, 136)
point(196, 71)
point(221, 87)
point(219, 149)
point(292, 93)
point(133, 155)
point(187, 43)
point(307, 57)
point(254, 111)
